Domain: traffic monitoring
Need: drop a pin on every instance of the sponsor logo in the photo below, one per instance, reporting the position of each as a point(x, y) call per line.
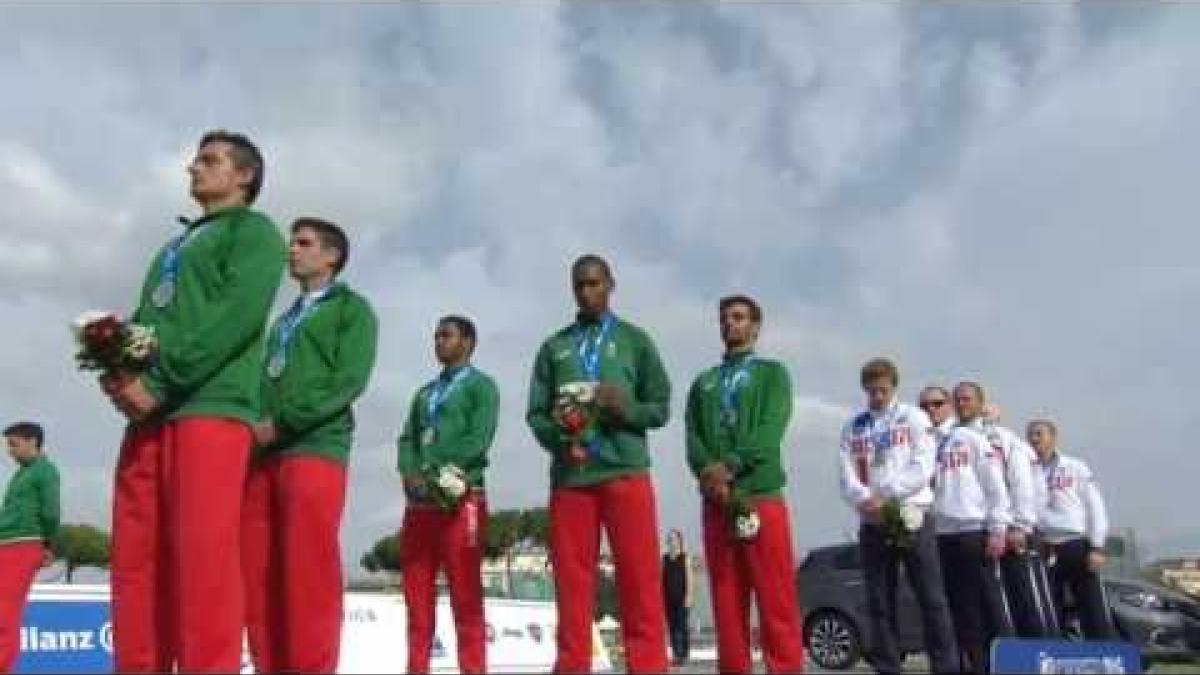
point(1054, 665)
point(35, 639)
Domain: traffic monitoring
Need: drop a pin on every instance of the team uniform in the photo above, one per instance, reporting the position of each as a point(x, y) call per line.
point(452, 420)
point(612, 488)
point(1025, 579)
point(1074, 522)
point(320, 354)
point(939, 432)
point(177, 507)
point(970, 503)
point(29, 519)
point(737, 415)
point(890, 454)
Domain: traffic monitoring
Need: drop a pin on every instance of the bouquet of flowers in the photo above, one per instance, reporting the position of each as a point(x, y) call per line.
point(900, 523)
point(445, 485)
point(742, 514)
point(737, 503)
point(576, 414)
point(109, 344)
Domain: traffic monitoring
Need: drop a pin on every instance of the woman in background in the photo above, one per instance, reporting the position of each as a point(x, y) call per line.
point(677, 594)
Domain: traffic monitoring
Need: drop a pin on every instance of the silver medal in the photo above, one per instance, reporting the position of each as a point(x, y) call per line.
point(275, 365)
point(163, 293)
point(728, 418)
point(428, 436)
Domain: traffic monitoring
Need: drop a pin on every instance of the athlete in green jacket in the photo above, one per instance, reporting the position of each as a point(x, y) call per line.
point(177, 505)
point(598, 387)
point(28, 521)
point(442, 454)
point(737, 416)
point(319, 358)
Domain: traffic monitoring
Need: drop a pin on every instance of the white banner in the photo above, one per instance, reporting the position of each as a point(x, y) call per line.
point(520, 634)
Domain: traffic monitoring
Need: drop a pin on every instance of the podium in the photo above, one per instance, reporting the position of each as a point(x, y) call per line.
point(1010, 655)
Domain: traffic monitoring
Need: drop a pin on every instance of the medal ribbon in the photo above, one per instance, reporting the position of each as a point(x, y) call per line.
point(441, 390)
point(168, 270)
point(731, 381)
point(291, 320)
point(589, 350)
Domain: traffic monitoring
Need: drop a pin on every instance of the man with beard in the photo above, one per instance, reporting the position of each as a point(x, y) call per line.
point(737, 415)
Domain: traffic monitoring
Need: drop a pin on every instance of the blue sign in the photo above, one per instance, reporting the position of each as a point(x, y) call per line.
point(67, 636)
point(1063, 656)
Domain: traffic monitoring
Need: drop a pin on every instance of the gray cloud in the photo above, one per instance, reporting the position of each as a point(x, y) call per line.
point(997, 193)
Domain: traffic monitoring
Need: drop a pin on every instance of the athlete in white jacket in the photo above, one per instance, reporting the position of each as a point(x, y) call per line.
point(969, 493)
point(1024, 576)
point(1073, 525)
point(934, 401)
point(973, 515)
point(886, 456)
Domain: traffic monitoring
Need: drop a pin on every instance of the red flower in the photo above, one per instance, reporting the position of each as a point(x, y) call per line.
point(103, 336)
point(574, 421)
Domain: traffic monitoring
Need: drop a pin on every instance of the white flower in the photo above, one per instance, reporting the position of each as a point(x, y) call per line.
point(90, 316)
point(747, 525)
point(450, 480)
point(141, 342)
point(580, 392)
point(912, 517)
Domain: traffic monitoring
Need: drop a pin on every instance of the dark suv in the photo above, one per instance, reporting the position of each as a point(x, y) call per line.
point(833, 601)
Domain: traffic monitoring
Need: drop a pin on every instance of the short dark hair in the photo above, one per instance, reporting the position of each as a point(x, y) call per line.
point(745, 301)
point(465, 327)
point(590, 260)
point(245, 155)
point(878, 368)
point(30, 431)
point(331, 236)
point(974, 386)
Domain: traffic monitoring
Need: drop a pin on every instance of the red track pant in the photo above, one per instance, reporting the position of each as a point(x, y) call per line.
point(763, 566)
point(432, 539)
point(291, 562)
point(625, 507)
point(19, 562)
point(176, 560)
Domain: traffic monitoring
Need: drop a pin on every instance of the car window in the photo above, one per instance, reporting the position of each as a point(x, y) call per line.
point(847, 559)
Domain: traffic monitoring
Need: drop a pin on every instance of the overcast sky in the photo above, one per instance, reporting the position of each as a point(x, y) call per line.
point(987, 192)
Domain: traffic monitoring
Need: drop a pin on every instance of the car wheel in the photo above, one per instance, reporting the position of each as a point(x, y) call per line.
point(832, 640)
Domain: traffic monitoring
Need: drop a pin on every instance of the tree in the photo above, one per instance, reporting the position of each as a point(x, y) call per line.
point(607, 598)
point(81, 546)
point(384, 556)
point(535, 527)
point(504, 530)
